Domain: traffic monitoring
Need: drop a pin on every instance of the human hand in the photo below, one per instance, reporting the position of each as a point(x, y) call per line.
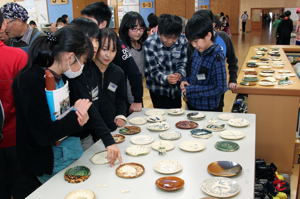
point(178, 75)
point(113, 154)
point(82, 106)
point(172, 78)
point(135, 107)
point(232, 86)
point(183, 84)
point(120, 122)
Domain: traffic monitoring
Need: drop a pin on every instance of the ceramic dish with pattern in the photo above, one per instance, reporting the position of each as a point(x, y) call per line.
point(224, 168)
point(170, 135)
point(81, 194)
point(159, 126)
point(195, 116)
point(266, 74)
point(250, 79)
point(232, 135)
point(130, 170)
point(265, 67)
point(225, 116)
point(130, 130)
point(192, 146)
point(186, 124)
point(262, 64)
point(175, 111)
point(248, 83)
point(227, 146)
point(267, 71)
point(138, 120)
point(258, 52)
point(220, 187)
point(256, 57)
point(250, 76)
point(162, 145)
point(155, 118)
point(169, 183)
point(215, 127)
point(238, 122)
point(201, 133)
point(155, 112)
point(118, 138)
point(137, 150)
point(250, 72)
point(77, 174)
point(168, 167)
point(248, 69)
point(141, 139)
point(251, 65)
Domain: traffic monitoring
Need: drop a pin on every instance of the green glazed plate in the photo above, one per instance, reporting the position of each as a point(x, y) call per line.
point(250, 79)
point(227, 146)
point(78, 171)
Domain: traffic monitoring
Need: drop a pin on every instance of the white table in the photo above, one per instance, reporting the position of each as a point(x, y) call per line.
point(107, 185)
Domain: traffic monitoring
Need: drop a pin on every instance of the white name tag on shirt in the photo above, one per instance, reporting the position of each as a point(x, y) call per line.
point(201, 76)
point(112, 87)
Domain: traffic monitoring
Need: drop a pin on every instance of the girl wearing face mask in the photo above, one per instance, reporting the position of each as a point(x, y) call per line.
point(133, 33)
point(40, 148)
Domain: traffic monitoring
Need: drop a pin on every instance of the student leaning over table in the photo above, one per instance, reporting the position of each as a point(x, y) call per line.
point(63, 54)
point(206, 75)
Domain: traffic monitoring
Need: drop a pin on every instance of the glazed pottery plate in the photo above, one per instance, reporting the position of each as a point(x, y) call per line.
point(267, 71)
point(248, 83)
point(168, 167)
point(162, 145)
point(248, 69)
point(186, 124)
point(170, 183)
point(225, 116)
point(195, 116)
point(141, 139)
point(227, 146)
point(215, 127)
point(137, 150)
point(191, 146)
point(220, 187)
point(138, 120)
point(130, 130)
point(224, 168)
point(250, 72)
point(175, 111)
point(250, 79)
point(265, 67)
point(155, 112)
point(159, 126)
point(201, 133)
point(155, 118)
point(81, 193)
point(266, 74)
point(264, 83)
point(170, 135)
point(118, 138)
point(77, 174)
point(130, 170)
point(247, 76)
point(238, 122)
point(232, 135)
point(284, 71)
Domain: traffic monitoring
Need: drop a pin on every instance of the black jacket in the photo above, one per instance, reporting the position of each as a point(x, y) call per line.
point(284, 31)
point(96, 86)
point(36, 132)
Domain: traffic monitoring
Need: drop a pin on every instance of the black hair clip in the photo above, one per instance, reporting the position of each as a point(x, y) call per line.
point(51, 37)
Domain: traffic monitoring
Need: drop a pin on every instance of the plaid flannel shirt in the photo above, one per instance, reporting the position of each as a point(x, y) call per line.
point(204, 94)
point(162, 61)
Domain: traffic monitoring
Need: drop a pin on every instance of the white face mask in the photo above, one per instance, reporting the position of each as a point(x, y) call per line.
point(71, 74)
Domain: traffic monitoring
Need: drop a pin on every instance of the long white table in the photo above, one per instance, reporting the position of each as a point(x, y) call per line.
point(104, 182)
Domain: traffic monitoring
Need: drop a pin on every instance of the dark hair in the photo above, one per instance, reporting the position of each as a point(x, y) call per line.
point(109, 35)
point(217, 21)
point(222, 14)
point(152, 20)
point(64, 16)
point(198, 27)
point(32, 23)
point(99, 10)
point(45, 49)
point(169, 25)
point(87, 26)
point(287, 13)
point(205, 13)
point(62, 20)
point(1, 18)
point(129, 21)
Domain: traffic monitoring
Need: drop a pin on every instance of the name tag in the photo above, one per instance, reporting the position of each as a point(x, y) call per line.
point(112, 87)
point(201, 76)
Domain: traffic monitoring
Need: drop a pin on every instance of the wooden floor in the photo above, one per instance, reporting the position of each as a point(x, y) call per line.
point(242, 42)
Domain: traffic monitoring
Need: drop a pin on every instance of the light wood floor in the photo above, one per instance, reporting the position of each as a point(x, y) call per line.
point(242, 43)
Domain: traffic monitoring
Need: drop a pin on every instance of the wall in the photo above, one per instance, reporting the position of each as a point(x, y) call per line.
point(2, 2)
point(56, 11)
point(146, 11)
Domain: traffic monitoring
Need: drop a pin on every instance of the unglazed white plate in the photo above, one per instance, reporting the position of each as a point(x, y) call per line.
point(192, 146)
point(138, 120)
point(220, 187)
point(141, 139)
point(155, 112)
point(232, 134)
point(155, 118)
point(80, 194)
point(175, 111)
point(99, 158)
point(238, 122)
point(170, 135)
point(264, 83)
point(225, 116)
point(137, 150)
point(168, 167)
point(162, 145)
point(159, 126)
point(266, 74)
point(284, 71)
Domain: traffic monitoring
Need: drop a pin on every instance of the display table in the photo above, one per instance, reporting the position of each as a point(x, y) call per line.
point(276, 109)
point(104, 182)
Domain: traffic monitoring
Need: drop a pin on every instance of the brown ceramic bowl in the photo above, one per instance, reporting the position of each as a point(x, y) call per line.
point(224, 168)
point(119, 138)
point(170, 183)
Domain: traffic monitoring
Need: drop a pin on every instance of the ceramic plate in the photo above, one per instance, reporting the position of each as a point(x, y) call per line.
point(170, 135)
point(162, 145)
point(155, 118)
point(284, 71)
point(175, 111)
point(141, 139)
point(232, 134)
point(262, 64)
point(99, 158)
point(247, 76)
point(264, 83)
point(168, 167)
point(267, 71)
point(159, 126)
point(225, 116)
point(265, 67)
point(195, 116)
point(215, 127)
point(118, 138)
point(250, 72)
point(220, 187)
point(169, 183)
point(201, 133)
point(155, 112)
point(250, 79)
point(227, 146)
point(130, 170)
point(266, 74)
point(77, 174)
point(186, 124)
point(238, 122)
point(81, 193)
point(248, 69)
point(137, 150)
point(248, 83)
point(281, 77)
point(130, 130)
point(192, 146)
point(224, 168)
point(138, 120)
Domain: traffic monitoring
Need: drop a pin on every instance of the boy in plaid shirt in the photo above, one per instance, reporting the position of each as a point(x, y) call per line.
point(206, 74)
point(166, 59)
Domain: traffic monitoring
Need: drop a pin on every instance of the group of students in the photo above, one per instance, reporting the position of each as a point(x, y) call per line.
point(104, 72)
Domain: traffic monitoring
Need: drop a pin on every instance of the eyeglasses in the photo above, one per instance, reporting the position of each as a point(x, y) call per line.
point(135, 29)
